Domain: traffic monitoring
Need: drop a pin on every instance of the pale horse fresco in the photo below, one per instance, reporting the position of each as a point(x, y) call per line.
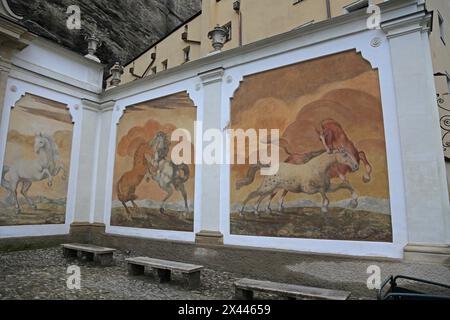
point(45, 166)
point(167, 174)
point(310, 178)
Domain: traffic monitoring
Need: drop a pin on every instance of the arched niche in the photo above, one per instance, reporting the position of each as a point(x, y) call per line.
point(36, 162)
point(298, 99)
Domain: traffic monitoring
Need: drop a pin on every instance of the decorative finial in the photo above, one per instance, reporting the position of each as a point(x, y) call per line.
point(93, 45)
point(218, 37)
point(116, 72)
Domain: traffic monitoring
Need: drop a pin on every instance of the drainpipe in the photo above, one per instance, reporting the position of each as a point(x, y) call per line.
point(237, 9)
point(328, 4)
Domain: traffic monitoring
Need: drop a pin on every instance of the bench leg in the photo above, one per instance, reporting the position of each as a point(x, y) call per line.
point(135, 270)
point(104, 259)
point(69, 253)
point(164, 275)
point(243, 294)
point(193, 280)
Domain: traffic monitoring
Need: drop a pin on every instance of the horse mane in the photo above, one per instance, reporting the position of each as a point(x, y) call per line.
point(52, 145)
point(164, 150)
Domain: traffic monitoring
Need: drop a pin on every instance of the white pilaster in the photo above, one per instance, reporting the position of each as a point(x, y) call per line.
point(93, 156)
point(210, 198)
point(426, 195)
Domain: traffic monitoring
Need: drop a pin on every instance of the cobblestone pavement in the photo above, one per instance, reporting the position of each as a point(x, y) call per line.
point(42, 274)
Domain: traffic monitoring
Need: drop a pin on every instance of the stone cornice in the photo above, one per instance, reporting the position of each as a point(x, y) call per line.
point(13, 38)
point(416, 22)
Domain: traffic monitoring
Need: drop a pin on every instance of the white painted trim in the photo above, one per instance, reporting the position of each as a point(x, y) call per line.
point(15, 90)
point(153, 234)
point(196, 94)
point(379, 58)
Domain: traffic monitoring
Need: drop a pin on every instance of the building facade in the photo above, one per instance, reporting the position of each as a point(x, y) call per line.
point(243, 19)
point(362, 168)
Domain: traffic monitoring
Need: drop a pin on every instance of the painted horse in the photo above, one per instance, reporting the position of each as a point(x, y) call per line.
point(130, 180)
point(167, 174)
point(25, 172)
point(310, 178)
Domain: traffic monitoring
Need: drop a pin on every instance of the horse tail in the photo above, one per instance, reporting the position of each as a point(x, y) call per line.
point(251, 174)
point(4, 183)
point(186, 174)
point(368, 174)
point(120, 194)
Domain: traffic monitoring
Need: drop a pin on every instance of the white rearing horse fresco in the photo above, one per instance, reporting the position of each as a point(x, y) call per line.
point(45, 166)
point(167, 174)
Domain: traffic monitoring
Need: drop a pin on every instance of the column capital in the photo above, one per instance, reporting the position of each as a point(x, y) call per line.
point(212, 76)
point(416, 22)
point(5, 65)
point(99, 106)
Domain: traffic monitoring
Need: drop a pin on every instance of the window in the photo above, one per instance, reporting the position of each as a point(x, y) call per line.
point(186, 52)
point(165, 64)
point(441, 27)
point(356, 5)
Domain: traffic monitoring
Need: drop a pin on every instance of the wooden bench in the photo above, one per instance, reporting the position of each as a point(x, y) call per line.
point(104, 256)
point(136, 266)
point(244, 289)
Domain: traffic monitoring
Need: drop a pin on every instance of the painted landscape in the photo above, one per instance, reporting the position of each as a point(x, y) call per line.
point(150, 190)
point(37, 162)
point(333, 182)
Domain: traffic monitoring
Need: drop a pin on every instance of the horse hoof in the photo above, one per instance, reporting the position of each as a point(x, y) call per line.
point(162, 211)
point(324, 210)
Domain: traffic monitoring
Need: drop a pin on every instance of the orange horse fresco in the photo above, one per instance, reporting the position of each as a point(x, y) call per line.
point(130, 180)
point(333, 138)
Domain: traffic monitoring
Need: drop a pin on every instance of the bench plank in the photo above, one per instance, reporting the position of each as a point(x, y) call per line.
point(88, 248)
point(290, 290)
point(165, 265)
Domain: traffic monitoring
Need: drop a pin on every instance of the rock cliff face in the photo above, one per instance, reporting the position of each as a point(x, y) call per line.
point(126, 27)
